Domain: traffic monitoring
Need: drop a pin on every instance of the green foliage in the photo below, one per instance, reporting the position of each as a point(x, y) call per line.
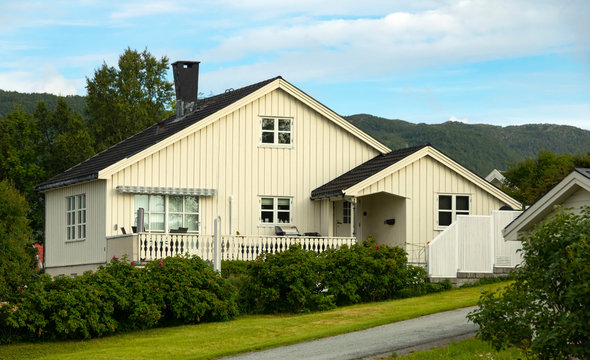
point(290, 281)
point(118, 297)
point(29, 101)
point(366, 272)
point(545, 311)
point(65, 139)
point(479, 147)
point(532, 178)
point(17, 260)
point(124, 101)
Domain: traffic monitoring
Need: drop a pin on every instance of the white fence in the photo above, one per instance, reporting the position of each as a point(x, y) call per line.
point(156, 246)
point(473, 244)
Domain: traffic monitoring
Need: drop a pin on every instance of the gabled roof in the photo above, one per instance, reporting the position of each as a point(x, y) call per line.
point(207, 110)
point(89, 169)
point(363, 176)
point(337, 186)
point(574, 181)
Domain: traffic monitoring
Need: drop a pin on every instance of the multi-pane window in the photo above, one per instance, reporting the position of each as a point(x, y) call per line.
point(275, 210)
point(276, 131)
point(76, 217)
point(346, 212)
point(168, 212)
point(449, 206)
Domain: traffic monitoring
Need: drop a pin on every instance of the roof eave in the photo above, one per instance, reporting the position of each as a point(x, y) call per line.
point(58, 184)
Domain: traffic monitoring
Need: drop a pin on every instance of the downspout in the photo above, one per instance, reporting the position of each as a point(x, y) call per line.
point(231, 214)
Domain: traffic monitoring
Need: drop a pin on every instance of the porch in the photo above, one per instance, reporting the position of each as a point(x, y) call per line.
point(152, 246)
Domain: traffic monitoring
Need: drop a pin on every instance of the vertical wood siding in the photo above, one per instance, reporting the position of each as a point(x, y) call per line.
point(58, 251)
point(420, 182)
point(227, 156)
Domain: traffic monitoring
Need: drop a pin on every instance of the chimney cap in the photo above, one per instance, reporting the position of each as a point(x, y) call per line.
point(185, 62)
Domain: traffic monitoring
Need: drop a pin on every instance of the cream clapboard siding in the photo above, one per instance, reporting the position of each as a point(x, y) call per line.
point(578, 199)
point(227, 156)
point(90, 251)
point(420, 182)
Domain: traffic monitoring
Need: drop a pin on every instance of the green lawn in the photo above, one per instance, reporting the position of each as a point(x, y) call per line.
point(465, 350)
point(247, 333)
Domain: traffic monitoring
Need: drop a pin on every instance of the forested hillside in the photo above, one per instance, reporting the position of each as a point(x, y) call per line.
point(29, 101)
point(479, 147)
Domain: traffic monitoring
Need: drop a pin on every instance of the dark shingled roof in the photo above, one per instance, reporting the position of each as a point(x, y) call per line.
point(584, 171)
point(336, 187)
point(88, 170)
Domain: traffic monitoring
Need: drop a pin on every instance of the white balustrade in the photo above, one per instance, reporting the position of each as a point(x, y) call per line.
point(233, 247)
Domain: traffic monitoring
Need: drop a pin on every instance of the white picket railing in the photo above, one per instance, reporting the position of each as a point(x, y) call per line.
point(233, 247)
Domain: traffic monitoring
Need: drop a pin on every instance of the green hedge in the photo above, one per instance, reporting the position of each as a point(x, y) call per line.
point(118, 297)
point(122, 297)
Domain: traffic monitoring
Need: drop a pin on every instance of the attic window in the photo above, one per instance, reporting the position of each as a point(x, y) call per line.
point(276, 131)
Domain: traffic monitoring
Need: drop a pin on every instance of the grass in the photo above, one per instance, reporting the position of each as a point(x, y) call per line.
point(465, 350)
point(247, 333)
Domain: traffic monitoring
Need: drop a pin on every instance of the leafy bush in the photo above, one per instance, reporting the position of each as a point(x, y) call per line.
point(545, 310)
point(118, 297)
point(290, 281)
point(368, 272)
point(18, 261)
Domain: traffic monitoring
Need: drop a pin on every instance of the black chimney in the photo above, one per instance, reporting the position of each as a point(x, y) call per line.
point(186, 82)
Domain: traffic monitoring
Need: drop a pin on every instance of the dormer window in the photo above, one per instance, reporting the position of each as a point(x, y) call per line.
point(276, 131)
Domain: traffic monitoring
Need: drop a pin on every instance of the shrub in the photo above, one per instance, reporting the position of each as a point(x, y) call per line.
point(367, 272)
point(118, 297)
point(290, 281)
point(545, 310)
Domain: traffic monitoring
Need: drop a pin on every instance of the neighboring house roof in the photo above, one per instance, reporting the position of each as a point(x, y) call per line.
point(574, 181)
point(364, 175)
point(336, 187)
point(495, 177)
point(207, 110)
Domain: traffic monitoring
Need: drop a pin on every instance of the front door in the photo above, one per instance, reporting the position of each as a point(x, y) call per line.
point(342, 218)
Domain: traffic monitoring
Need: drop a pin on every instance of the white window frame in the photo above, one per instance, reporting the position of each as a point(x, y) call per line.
point(346, 212)
point(76, 217)
point(275, 210)
point(167, 212)
point(276, 132)
point(453, 210)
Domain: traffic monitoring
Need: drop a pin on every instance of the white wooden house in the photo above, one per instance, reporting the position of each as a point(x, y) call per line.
point(572, 192)
point(254, 158)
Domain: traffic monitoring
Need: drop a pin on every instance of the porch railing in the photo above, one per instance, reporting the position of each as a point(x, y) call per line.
point(233, 247)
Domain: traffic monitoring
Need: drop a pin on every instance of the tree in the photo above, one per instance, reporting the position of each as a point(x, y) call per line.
point(18, 261)
point(123, 101)
point(528, 180)
point(545, 311)
point(66, 141)
point(20, 149)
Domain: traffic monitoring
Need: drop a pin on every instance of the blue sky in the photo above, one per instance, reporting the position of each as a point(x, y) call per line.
point(483, 61)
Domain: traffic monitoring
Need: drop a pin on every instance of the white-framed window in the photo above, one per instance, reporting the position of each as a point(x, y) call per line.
point(451, 205)
point(275, 210)
point(168, 212)
point(346, 213)
point(276, 131)
point(76, 217)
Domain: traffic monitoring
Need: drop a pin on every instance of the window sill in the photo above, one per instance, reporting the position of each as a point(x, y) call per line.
point(74, 241)
point(276, 146)
point(267, 225)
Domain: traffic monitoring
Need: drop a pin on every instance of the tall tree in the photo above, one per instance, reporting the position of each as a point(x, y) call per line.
point(17, 262)
point(66, 141)
point(531, 178)
point(123, 101)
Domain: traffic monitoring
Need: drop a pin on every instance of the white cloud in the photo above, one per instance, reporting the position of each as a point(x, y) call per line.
point(49, 81)
point(466, 31)
point(456, 119)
